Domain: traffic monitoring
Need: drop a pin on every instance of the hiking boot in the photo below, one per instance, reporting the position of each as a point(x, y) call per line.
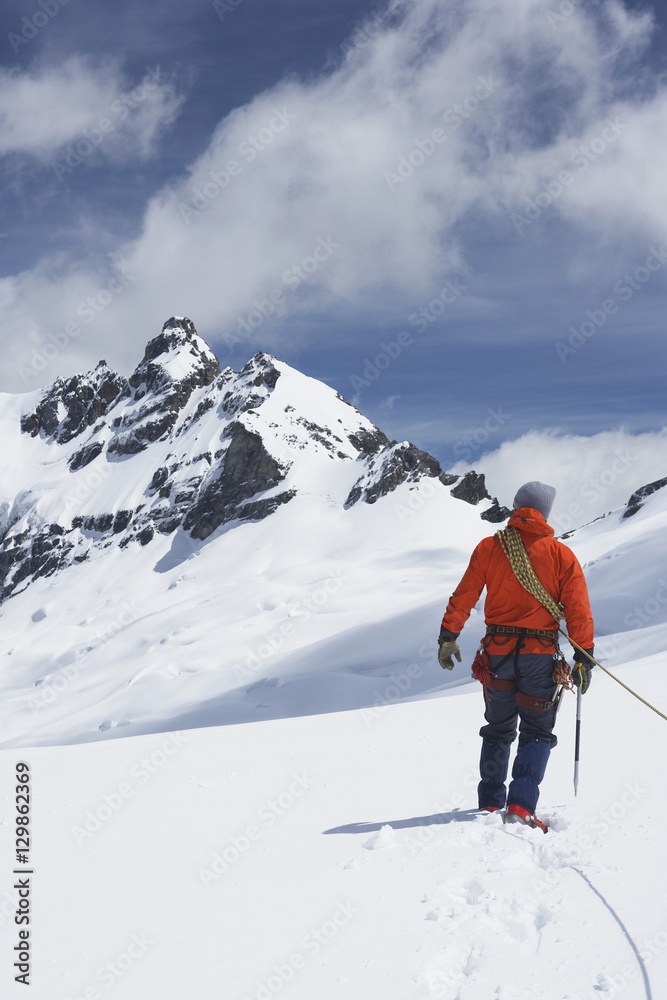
point(517, 814)
point(489, 809)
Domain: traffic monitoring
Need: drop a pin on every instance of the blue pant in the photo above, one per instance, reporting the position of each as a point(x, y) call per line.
point(532, 675)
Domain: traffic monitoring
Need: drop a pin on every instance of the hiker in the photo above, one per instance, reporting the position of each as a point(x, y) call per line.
point(522, 645)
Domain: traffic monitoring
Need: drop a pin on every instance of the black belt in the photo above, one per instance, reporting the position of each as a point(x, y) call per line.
point(540, 633)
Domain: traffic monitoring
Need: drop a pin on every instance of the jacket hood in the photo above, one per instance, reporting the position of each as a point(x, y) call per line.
point(530, 521)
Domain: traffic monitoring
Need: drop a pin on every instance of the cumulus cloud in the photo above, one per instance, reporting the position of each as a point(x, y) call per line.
point(89, 107)
point(357, 184)
point(593, 475)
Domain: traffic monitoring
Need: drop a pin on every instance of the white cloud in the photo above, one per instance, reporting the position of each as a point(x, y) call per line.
point(88, 106)
point(592, 475)
point(450, 106)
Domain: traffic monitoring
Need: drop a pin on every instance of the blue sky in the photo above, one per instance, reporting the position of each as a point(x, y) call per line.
point(358, 162)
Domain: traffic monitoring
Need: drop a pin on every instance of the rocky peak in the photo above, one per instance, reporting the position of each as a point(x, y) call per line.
point(69, 406)
point(636, 501)
point(174, 365)
point(472, 489)
point(177, 357)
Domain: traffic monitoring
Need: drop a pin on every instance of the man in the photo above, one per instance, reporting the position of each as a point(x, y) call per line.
point(521, 642)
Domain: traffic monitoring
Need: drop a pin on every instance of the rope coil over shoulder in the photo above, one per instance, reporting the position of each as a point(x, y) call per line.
point(513, 547)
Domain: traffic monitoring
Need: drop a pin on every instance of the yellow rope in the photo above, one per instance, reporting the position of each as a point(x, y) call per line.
point(513, 547)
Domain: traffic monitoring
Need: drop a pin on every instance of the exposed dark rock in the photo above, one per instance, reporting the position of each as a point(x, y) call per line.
point(145, 535)
point(84, 456)
point(29, 556)
point(495, 513)
point(203, 407)
point(142, 434)
point(447, 479)
point(160, 477)
point(121, 521)
point(85, 399)
point(472, 488)
point(635, 501)
point(102, 523)
point(322, 435)
point(247, 470)
point(395, 465)
point(369, 442)
point(267, 374)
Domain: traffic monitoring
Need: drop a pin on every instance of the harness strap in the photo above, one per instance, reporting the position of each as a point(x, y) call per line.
point(497, 684)
point(536, 704)
point(539, 633)
point(525, 700)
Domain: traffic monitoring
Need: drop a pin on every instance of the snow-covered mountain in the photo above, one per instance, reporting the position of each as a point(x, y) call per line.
point(238, 508)
point(181, 444)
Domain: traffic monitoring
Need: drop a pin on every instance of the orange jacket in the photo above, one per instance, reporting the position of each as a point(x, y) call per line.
point(507, 603)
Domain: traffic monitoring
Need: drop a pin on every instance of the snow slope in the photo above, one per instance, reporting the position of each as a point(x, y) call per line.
point(337, 855)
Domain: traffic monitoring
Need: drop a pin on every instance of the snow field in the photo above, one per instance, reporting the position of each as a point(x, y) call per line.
point(336, 854)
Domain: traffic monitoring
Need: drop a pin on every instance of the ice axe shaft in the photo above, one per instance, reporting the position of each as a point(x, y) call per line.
point(577, 737)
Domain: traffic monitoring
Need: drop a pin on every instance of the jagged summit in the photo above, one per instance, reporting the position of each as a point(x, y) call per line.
point(182, 445)
point(176, 355)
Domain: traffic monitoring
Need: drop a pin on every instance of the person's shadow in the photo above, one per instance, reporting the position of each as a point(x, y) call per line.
point(438, 819)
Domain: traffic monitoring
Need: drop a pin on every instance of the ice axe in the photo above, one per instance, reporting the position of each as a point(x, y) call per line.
point(577, 736)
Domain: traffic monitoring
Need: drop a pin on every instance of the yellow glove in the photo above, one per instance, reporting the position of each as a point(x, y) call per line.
point(447, 650)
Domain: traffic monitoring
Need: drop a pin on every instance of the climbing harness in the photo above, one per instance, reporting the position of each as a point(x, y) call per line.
point(481, 667)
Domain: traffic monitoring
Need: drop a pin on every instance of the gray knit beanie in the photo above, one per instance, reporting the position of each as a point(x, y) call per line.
point(536, 495)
